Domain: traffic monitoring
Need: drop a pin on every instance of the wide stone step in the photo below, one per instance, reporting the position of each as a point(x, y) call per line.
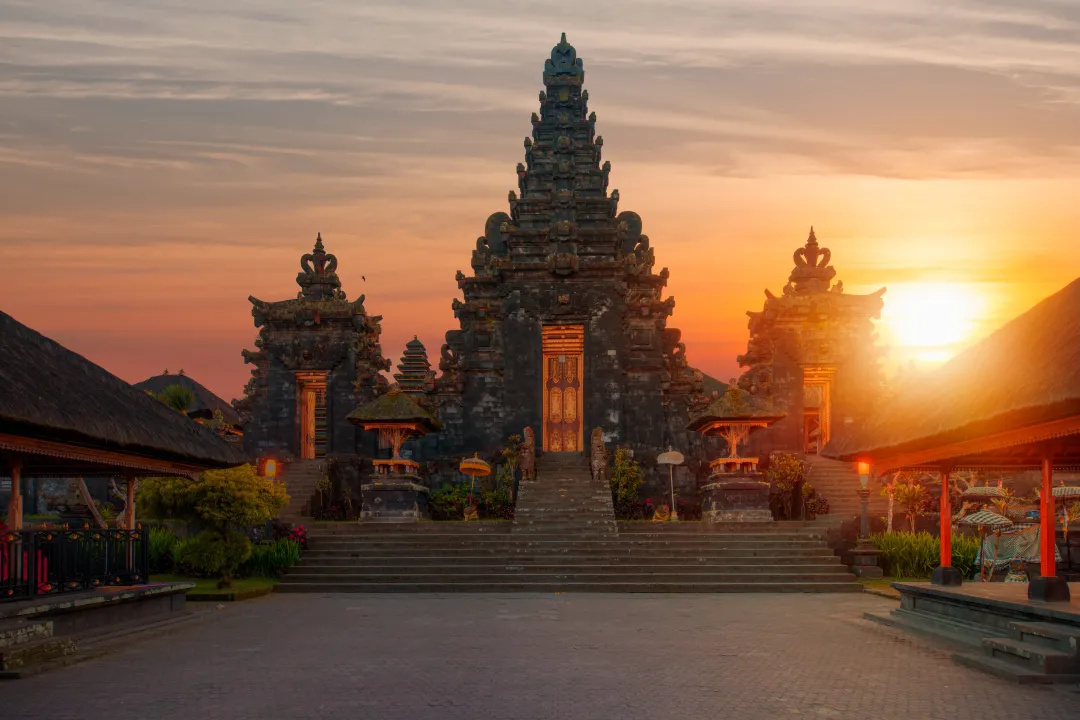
point(823, 562)
point(1035, 657)
point(558, 540)
point(1009, 670)
point(517, 584)
point(579, 569)
point(18, 656)
point(19, 632)
point(751, 555)
point(1049, 635)
point(577, 576)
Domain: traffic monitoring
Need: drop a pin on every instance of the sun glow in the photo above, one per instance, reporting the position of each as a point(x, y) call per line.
point(932, 320)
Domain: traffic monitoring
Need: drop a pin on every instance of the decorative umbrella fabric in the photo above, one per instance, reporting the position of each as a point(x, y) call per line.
point(1020, 545)
point(986, 518)
point(1066, 491)
point(978, 493)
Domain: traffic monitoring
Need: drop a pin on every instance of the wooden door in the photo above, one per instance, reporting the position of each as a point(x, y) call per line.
point(562, 402)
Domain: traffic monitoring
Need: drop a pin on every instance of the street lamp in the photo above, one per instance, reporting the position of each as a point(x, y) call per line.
point(864, 556)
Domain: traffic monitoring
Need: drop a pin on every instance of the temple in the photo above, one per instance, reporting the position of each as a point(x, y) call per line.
point(812, 354)
point(317, 357)
point(563, 326)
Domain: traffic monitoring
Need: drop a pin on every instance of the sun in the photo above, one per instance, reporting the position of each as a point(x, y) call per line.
point(932, 320)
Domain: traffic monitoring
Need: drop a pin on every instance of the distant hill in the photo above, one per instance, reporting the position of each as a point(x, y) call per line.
point(205, 402)
point(712, 384)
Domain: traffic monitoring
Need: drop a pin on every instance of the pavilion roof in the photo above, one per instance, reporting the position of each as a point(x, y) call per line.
point(53, 395)
point(1023, 375)
point(394, 406)
point(735, 405)
point(203, 404)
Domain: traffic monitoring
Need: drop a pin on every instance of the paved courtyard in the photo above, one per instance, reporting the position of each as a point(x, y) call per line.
point(510, 657)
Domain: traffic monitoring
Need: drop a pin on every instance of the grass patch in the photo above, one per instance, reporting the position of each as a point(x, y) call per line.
point(207, 589)
point(883, 586)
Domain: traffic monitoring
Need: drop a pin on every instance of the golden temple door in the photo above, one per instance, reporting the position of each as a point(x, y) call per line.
point(311, 396)
point(563, 356)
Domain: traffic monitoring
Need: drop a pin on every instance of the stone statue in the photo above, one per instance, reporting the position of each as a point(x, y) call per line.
point(527, 461)
point(599, 455)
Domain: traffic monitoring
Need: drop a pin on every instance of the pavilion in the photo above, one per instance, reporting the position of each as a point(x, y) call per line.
point(63, 416)
point(1010, 402)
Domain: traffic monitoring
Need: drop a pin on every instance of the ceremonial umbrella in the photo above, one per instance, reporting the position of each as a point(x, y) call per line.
point(986, 519)
point(1066, 493)
point(473, 466)
point(671, 458)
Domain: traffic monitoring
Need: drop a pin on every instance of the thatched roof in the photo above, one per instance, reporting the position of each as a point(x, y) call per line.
point(47, 392)
point(733, 405)
point(1026, 373)
point(204, 403)
point(394, 406)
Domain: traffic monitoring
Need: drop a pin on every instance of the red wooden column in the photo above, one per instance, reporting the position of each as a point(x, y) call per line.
point(945, 573)
point(129, 506)
point(946, 522)
point(1048, 565)
point(1048, 587)
point(15, 513)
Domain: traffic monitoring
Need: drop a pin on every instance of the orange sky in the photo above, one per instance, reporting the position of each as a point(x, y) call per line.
point(158, 166)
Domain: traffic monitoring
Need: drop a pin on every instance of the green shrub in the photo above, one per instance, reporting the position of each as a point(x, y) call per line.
point(916, 555)
point(626, 477)
point(213, 553)
point(270, 560)
point(162, 544)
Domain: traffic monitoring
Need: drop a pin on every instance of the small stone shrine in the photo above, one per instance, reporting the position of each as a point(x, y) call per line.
point(563, 324)
point(812, 354)
point(316, 358)
point(395, 490)
point(735, 491)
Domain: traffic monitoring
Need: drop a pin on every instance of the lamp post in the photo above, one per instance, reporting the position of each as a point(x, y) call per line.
point(864, 556)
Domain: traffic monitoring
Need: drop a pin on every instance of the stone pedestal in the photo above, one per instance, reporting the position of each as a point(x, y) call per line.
point(393, 498)
point(736, 498)
point(864, 561)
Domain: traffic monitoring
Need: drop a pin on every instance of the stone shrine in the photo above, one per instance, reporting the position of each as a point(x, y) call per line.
point(812, 354)
point(317, 357)
point(563, 325)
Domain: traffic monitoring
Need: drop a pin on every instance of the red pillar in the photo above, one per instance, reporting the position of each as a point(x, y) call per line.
point(15, 505)
point(1047, 521)
point(946, 522)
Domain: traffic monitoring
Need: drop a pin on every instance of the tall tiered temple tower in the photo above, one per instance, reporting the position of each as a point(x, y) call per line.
point(563, 326)
point(317, 357)
point(812, 353)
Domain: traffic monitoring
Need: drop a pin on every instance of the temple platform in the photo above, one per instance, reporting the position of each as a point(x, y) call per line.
point(42, 633)
point(994, 627)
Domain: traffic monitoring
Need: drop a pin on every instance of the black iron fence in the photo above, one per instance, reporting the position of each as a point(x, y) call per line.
point(47, 562)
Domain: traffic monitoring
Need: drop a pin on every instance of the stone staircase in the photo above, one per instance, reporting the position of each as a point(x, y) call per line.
point(565, 538)
point(1033, 652)
point(300, 477)
point(564, 500)
point(839, 483)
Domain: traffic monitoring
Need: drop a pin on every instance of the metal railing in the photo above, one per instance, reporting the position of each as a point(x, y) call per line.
point(44, 562)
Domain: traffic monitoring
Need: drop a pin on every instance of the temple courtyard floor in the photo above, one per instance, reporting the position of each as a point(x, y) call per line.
point(509, 657)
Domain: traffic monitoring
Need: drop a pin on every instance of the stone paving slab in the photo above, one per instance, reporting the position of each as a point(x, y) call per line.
point(527, 657)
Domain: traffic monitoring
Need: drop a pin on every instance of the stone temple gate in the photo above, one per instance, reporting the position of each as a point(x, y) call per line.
point(563, 325)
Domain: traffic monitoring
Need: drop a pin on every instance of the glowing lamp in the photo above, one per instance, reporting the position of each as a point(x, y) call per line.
point(270, 468)
point(864, 474)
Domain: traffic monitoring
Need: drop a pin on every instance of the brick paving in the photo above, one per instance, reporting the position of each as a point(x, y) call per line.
point(520, 657)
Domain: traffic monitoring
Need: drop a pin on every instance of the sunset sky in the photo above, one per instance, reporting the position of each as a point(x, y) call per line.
point(162, 160)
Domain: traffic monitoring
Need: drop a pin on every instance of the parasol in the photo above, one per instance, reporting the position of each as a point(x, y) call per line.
point(475, 467)
point(1067, 493)
point(980, 493)
point(986, 519)
point(671, 458)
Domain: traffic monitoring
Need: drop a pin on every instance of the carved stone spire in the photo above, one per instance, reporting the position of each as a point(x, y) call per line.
point(812, 272)
point(319, 280)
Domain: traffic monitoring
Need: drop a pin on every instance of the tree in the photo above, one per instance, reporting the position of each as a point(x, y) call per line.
point(784, 474)
point(177, 397)
point(909, 492)
point(220, 503)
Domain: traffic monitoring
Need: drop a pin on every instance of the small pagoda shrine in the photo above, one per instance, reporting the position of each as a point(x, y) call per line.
point(395, 490)
point(414, 375)
point(735, 490)
point(812, 354)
